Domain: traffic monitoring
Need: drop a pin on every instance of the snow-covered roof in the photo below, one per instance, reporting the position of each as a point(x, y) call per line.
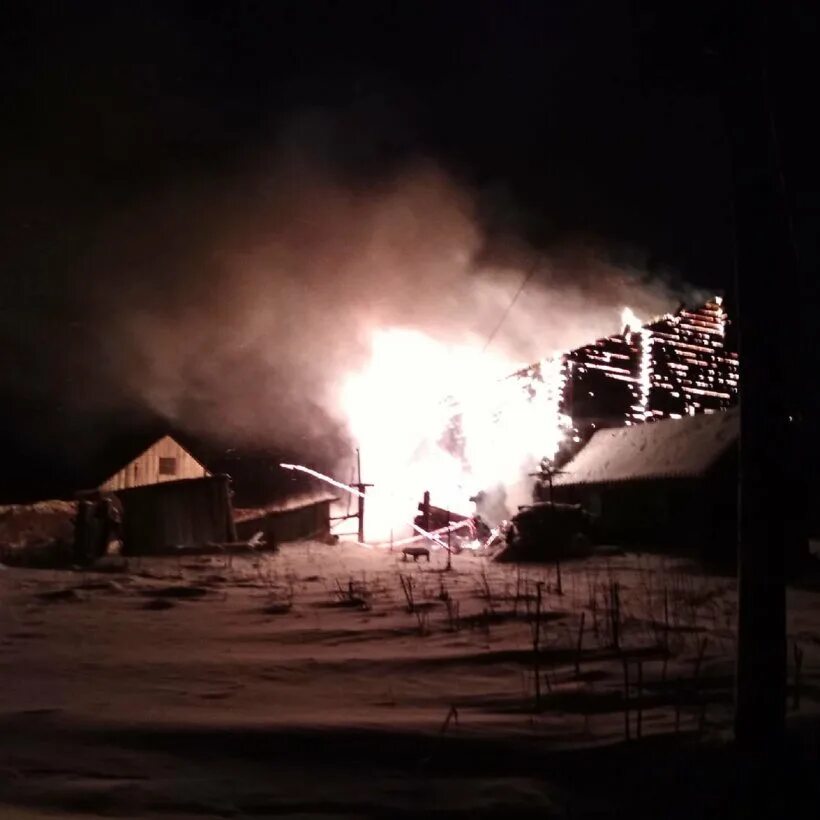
point(292, 502)
point(673, 448)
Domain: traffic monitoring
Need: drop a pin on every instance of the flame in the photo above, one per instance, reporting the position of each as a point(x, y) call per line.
point(645, 374)
point(721, 317)
point(629, 319)
point(428, 415)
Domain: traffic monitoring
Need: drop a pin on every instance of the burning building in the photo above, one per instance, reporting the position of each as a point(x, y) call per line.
point(674, 366)
point(478, 428)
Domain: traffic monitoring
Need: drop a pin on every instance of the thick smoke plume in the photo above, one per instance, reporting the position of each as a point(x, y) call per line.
point(238, 309)
point(234, 300)
point(239, 313)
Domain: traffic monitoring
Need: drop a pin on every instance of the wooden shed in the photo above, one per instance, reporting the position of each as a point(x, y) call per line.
point(190, 513)
point(670, 483)
point(164, 460)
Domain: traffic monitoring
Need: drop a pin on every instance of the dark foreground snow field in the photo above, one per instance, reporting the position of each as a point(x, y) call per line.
point(301, 684)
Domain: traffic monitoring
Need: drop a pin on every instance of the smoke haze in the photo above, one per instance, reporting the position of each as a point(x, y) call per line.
point(235, 309)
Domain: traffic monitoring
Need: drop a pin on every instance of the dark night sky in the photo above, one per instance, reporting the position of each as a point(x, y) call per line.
point(574, 107)
point(602, 118)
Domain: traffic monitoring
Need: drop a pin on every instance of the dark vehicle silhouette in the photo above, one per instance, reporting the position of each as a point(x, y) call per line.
point(546, 531)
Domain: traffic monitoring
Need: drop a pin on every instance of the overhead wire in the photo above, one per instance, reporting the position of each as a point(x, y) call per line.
point(510, 306)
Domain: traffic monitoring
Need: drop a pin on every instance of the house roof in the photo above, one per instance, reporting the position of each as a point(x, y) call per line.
point(117, 453)
point(257, 478)
point(673, 448)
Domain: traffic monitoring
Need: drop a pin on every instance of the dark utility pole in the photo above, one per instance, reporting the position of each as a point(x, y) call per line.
point(425, 511)
point(362, 488)
point(449, 544)
point(766, 272)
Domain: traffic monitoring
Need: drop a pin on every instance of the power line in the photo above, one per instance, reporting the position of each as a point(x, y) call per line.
point(510, 307)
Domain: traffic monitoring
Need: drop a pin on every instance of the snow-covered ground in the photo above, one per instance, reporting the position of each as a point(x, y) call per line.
point(301, 682)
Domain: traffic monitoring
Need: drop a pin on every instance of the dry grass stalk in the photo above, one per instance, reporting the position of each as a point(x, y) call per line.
point(408, 587)
point(579, 645)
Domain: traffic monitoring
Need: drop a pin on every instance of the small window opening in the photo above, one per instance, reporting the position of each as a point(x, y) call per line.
point(167, 466)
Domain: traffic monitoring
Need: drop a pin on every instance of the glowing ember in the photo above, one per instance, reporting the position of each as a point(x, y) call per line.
point(644, 374)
